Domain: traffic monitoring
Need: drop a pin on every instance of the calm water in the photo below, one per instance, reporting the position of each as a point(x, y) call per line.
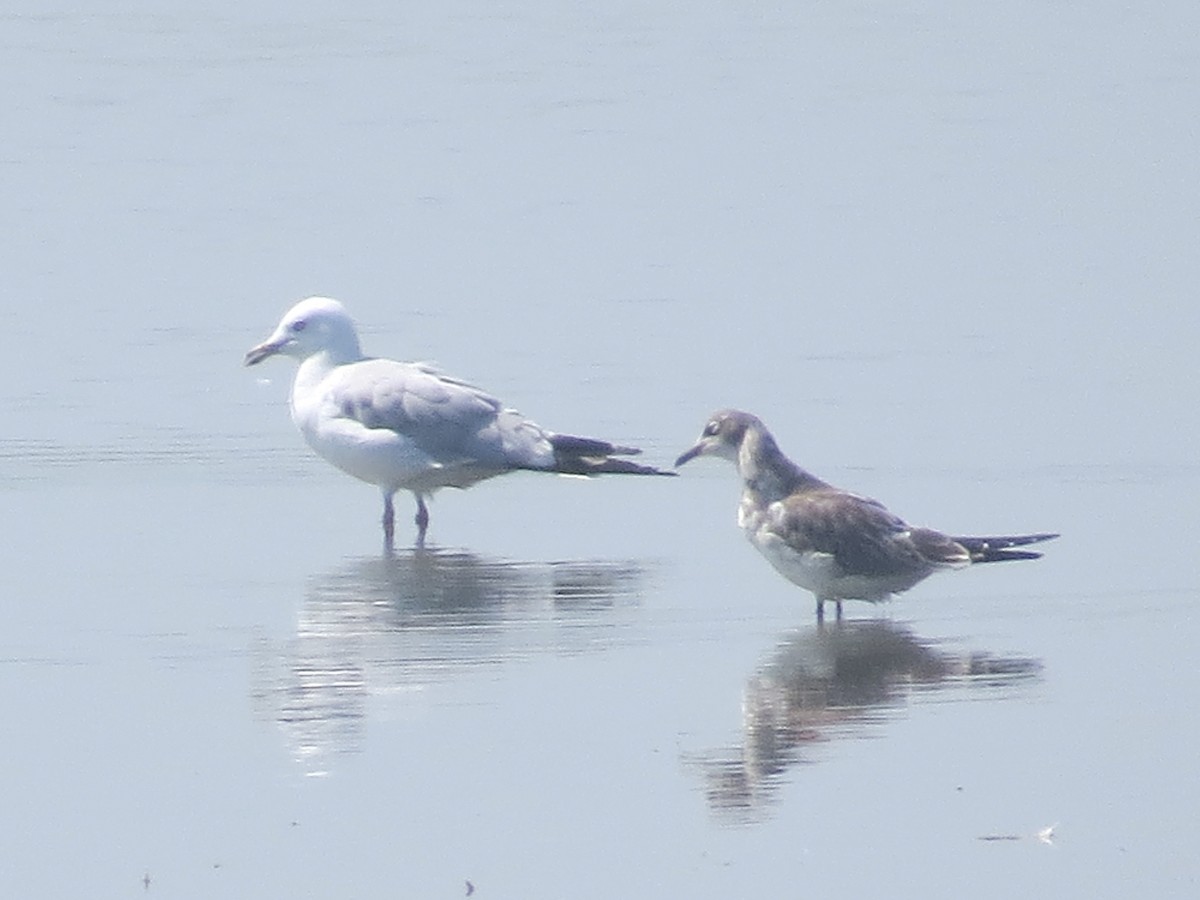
point(947, 253)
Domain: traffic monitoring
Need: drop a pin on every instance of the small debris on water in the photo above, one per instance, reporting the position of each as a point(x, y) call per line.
point(1045, 835)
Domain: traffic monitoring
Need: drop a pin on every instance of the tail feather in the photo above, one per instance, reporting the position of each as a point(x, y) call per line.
point(1000, 549)
point(589, 456)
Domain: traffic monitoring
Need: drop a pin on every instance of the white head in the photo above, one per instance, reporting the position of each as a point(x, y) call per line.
point(311, 326)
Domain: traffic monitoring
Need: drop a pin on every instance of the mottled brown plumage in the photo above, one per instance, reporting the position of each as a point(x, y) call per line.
point(839, 545)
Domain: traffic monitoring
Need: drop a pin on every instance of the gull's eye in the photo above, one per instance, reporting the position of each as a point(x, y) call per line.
point(298, 325)
point(712, 428)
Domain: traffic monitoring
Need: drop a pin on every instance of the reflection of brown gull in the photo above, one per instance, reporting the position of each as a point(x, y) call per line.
point(825, 682)
point(403, 622)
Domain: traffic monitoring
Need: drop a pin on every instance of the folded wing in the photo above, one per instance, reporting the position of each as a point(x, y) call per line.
point(450, 420)
point(862, 535)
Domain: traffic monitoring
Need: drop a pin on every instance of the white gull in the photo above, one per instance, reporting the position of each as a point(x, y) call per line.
point(406, 426)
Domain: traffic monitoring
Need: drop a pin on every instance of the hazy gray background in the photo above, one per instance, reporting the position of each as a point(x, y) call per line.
point(948, 253)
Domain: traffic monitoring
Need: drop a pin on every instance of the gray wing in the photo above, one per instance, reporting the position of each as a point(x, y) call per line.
point(449, 419)
point(862, 535)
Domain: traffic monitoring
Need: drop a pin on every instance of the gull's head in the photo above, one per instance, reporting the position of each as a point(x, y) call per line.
point(722, 436)
point(312, 326)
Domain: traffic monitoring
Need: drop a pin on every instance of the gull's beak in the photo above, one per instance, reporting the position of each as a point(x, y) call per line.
point(689, 455)
point(257, 354)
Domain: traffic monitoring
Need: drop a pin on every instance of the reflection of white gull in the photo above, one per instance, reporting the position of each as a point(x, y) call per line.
point(399, 624)
point(826, 682)
point(834, 543)
point(405, 426)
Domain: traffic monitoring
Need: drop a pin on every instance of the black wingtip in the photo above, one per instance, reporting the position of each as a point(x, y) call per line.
point(1001, 548)
point(1001, 542)
point(575, 455)
point(572, 445)
point(591, 465)
point(1005, 555)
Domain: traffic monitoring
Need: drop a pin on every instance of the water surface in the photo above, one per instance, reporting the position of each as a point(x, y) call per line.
point(947, 253)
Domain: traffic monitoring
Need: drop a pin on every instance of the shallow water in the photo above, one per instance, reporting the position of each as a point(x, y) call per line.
point(947, 255)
